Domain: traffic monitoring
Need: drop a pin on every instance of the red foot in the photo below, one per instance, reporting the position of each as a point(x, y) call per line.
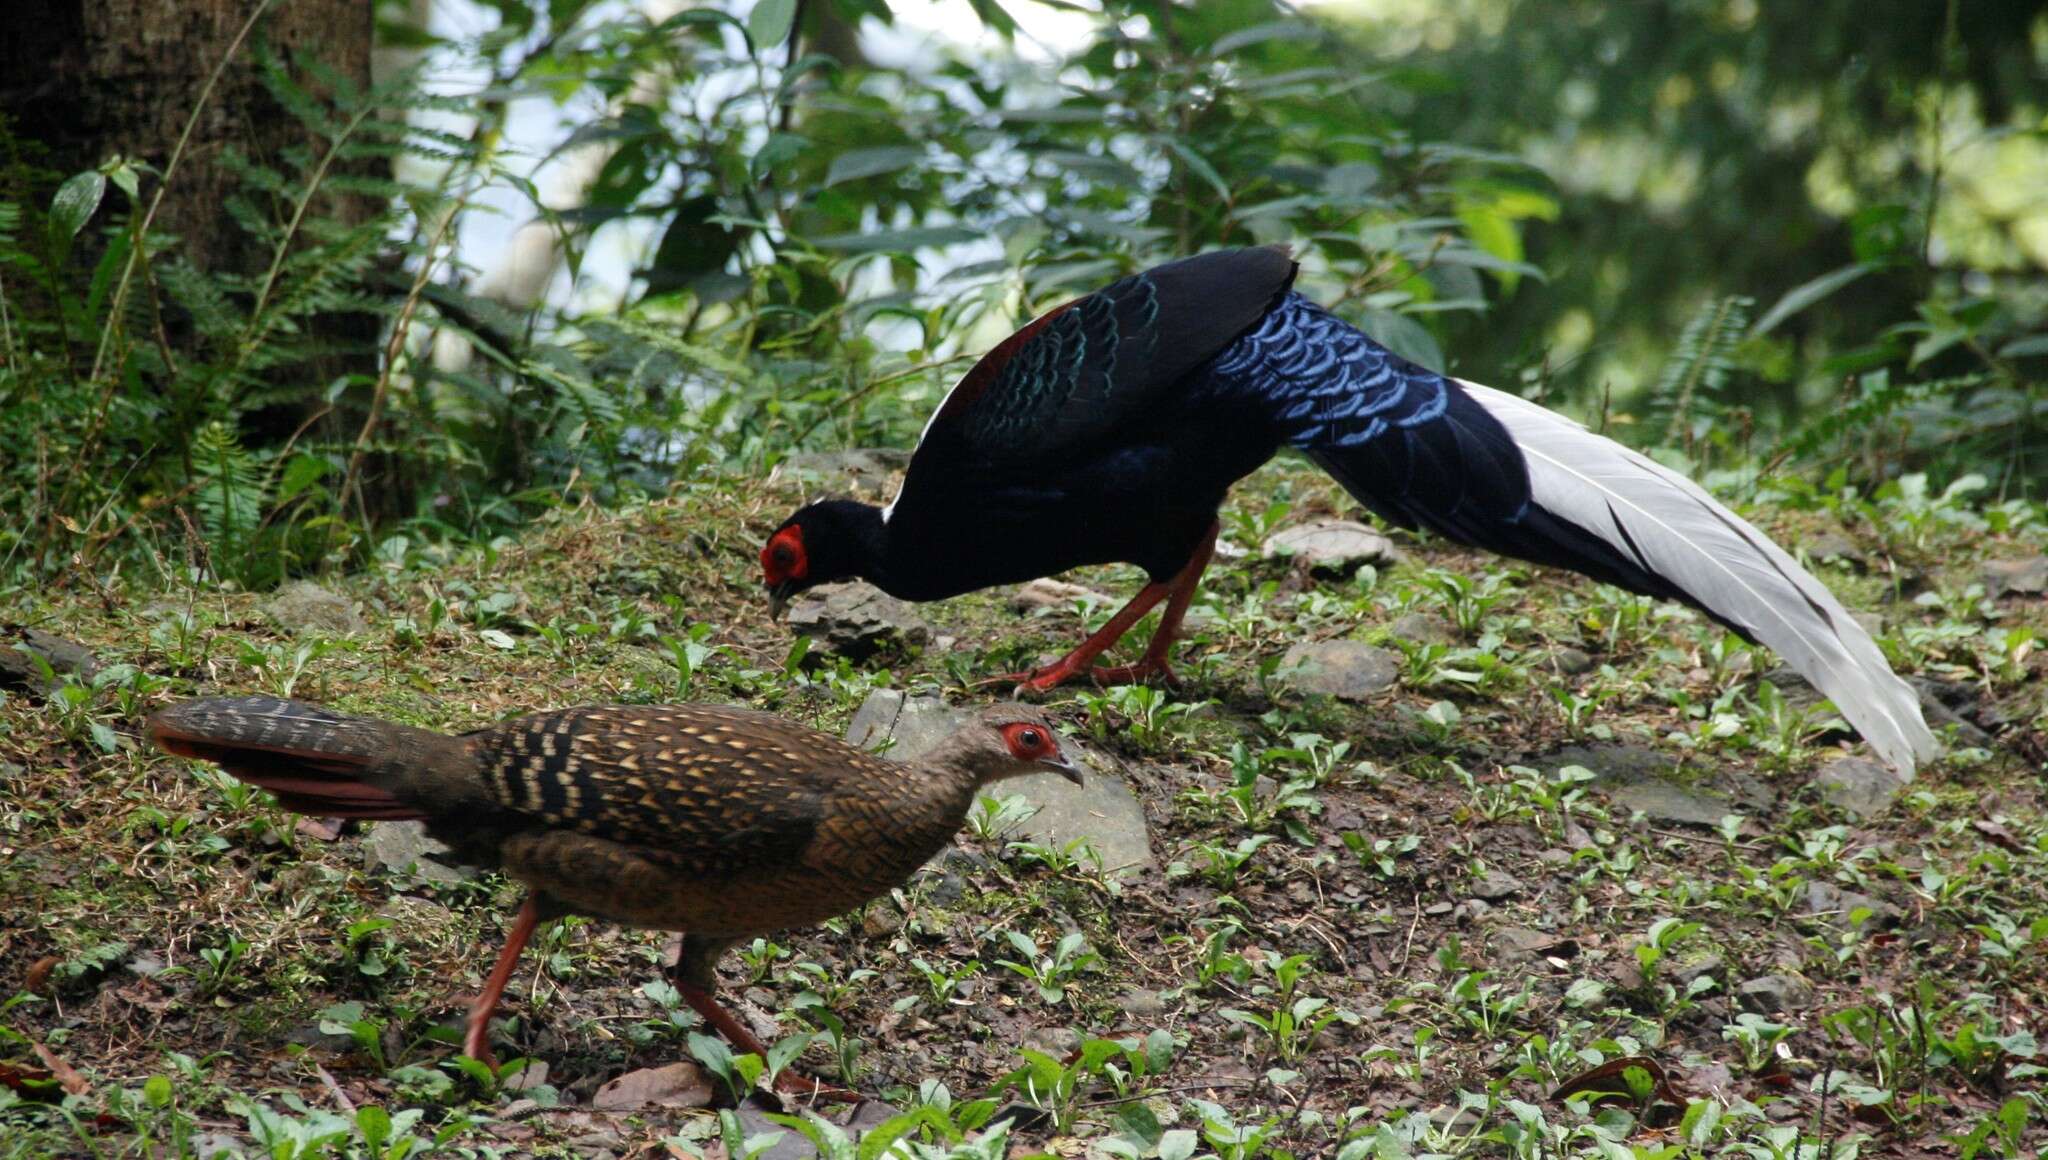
point(1052, 676)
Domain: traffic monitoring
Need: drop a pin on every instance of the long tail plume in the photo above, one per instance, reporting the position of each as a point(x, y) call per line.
point(1645, 517)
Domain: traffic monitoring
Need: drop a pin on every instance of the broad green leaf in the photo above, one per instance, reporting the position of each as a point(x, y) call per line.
point(76, 201)
point(2028, 347)
point(901, 241)
point(1261, 33)
point(1807, 293)
point(855, 164)
point(768, 24)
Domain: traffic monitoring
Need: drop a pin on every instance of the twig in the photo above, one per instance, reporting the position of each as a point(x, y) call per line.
point(334, 1089)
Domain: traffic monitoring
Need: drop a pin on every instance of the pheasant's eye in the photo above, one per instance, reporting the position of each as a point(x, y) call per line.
point(783, 555)
point(1027, 742)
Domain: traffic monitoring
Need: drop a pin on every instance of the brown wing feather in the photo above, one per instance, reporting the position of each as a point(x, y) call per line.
point(705, 789)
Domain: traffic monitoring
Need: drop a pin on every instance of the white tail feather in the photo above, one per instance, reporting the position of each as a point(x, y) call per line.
point(1685, 536)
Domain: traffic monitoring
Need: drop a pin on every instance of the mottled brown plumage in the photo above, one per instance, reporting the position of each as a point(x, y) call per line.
point(721, 822)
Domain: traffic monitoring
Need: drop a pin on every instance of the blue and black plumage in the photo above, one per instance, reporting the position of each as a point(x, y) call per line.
point(1109, 429)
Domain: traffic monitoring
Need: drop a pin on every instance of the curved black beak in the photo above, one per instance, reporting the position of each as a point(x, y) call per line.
point(778, 599)
point(1059, 764)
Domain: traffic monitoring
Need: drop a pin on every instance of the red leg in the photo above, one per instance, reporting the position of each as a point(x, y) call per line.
point(1178, 592)
point(788, 1082)
point(477, 1042)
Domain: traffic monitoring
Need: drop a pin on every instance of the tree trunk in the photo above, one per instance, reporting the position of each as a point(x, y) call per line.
point(86, 79)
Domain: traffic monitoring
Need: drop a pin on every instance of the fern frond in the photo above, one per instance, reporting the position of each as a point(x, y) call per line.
point(1698, 369)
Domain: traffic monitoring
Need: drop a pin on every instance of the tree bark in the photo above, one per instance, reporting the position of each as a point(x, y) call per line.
point(86, 79)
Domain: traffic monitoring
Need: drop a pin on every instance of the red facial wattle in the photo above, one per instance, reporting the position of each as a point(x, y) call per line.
point(783, 559)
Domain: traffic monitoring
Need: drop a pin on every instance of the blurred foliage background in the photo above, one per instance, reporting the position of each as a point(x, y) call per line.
point(611, 245)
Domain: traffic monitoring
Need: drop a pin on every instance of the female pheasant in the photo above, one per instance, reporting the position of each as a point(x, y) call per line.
point(1109, 430)
point(721, 822)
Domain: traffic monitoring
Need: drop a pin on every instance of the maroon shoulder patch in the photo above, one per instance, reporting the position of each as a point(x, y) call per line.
point(976, 382)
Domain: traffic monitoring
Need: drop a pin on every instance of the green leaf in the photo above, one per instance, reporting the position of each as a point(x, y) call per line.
point(855, 164)
point(1807, 293)
point(157, 1090)
point(900, 241)
point(1201, 168)
point(375, 1125)
point(769, 23)
point(1261, 33)
point(301, 473)
point(778, 149)
point(75, 203)
point(2033, 344)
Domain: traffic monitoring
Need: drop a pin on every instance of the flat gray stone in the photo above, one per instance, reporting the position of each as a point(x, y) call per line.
point(1775, 994)
point(1571, 661)
point(1495, 885)
point(861, 1119)
point(1831, 546)
point(1346, 669)
point(1637, 779)
point(1858, 786)
point(857, 620)
point(1422, 628)
point(405, 846)
point(1826, 898)
point(1663, 801)
point(1330, 545)
point(1103, 810)
point(2024, 577)
point(303, 606)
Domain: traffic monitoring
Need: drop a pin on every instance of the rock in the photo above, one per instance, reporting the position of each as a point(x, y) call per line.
point(1346, 669)
point(881, 919)
point(1831, 546)
point(403, 846)
point(1571, 661)
point(1054, 594)
point(1858, 786)
point(1103, 810)
point(1495, 885)
point(26, 646)
point(1421, 628)
point(1330, 545)
point(2025, 577)
point(303, 606)
point(1693, 966)
point(1636, 778)
point(215, 1146)
point(862, 1118)
point(1053, 1041)
point(1775, 994)
point(1521, 944)
point(679, 1085)
point(1140, 1002)
point(1664, 801)
point(1830, 899)
point(856, 620)
point(527, 1078)
point(856, 469)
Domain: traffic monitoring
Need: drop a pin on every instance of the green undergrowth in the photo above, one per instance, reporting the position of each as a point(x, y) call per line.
point(1418, 925)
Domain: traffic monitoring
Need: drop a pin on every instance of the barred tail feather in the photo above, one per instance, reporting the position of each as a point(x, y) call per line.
point(312, 759)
